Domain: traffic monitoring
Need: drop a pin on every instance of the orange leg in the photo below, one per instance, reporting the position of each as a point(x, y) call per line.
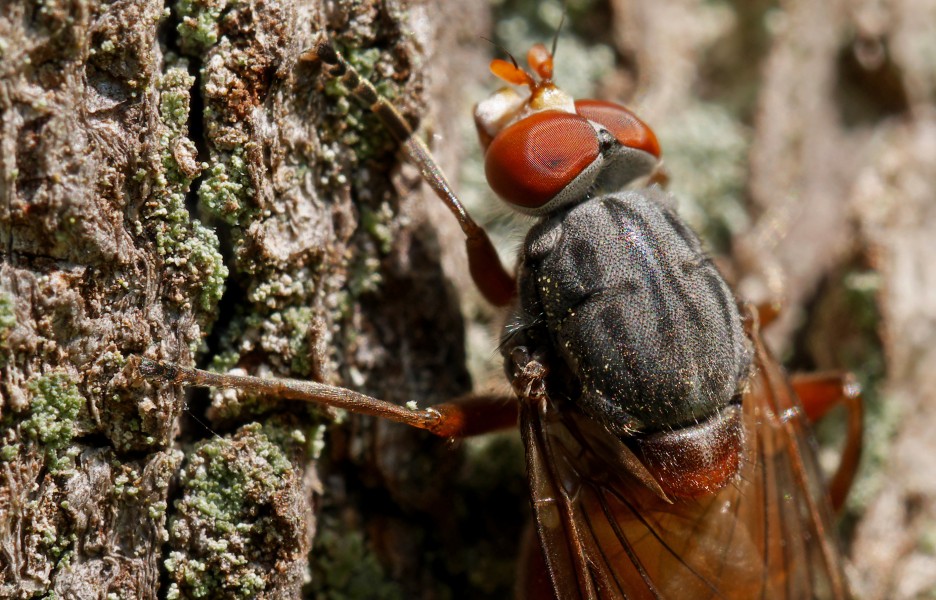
point(820, 392)
point(660, 176)
point(476, 415)
point(767, 313)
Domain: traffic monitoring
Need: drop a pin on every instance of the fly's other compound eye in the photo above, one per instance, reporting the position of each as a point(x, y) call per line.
point(621, 123)
point(531, 161)
point(541, 156)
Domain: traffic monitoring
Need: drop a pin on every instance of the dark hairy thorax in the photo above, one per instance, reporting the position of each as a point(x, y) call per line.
point(642, 332)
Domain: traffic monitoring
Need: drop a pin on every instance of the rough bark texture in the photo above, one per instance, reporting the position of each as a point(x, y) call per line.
point(175, 184)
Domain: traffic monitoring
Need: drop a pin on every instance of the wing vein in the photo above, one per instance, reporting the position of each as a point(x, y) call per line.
point(664, 543)
point(626, 545)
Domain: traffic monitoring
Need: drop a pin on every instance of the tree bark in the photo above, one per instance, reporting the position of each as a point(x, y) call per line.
point(176, 184)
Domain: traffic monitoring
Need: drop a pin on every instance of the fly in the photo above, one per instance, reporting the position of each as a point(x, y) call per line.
point(668, 455)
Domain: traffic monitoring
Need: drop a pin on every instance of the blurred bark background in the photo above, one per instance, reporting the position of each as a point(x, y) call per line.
point(175, 184)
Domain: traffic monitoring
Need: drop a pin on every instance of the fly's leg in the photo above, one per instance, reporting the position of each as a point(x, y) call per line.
point(660, 176)
point(767, 313)
point(819, 393)
point(528, 374)
point(476, 414)
point(495, 283)
point(467, 416)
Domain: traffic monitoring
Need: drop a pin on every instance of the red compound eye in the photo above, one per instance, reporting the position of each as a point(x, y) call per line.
point(622, 123)
point(531, 161)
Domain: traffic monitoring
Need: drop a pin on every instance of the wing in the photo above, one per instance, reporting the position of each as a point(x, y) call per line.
point(606, 535)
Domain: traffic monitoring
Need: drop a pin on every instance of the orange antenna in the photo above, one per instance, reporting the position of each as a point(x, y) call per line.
point(541, 61)
point(510, 72)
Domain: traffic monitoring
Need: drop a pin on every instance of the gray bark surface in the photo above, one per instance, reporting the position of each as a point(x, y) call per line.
point(176, 184)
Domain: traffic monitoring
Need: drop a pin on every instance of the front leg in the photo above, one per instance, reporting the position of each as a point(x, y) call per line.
point(527, 371)
point(467, 416)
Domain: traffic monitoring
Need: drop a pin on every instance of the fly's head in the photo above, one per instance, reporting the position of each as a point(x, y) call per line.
point(546, 150)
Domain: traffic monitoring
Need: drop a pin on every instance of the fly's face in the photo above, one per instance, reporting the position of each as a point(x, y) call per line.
point(544, 151)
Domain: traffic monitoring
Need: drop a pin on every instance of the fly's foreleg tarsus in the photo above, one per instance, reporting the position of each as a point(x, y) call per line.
point(819, 393)
point(293, 389)
point(495, 283)
point(471, 415)
point(528, 373)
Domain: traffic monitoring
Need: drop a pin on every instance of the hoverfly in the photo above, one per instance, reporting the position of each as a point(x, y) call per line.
point(668, 455)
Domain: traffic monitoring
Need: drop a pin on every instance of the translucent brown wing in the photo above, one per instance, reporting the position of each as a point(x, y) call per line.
point(605, 535)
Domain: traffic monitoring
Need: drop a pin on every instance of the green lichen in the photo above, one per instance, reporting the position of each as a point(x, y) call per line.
point(286, 330)
point(157, 510)
point(233, 510)
point(53, 543)
point(357, 127)
point(198, 23)
point(279, 287)
point(54, 405)
point(706, 153)
point(7, 323)
point(316, 439)
point(174, 86)
point(9, 452)
point(293, 439)
point(7, 314)
point(298, 320)
point(378, 223)
point(364, 276)
point(224, 361)
point(112, 360)
point(189, 250)
point(344, 568)
point(225, 190)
